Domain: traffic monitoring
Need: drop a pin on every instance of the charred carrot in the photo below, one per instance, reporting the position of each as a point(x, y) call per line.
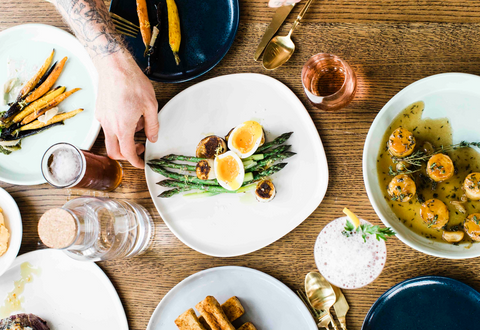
point(27, 88)
point(39, 104)
point(174, 33)
point(56, 119)
point(145, 29)
point(48, 83)
point(52, 104)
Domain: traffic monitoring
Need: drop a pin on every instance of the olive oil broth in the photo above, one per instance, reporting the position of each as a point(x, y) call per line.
point(466, 160)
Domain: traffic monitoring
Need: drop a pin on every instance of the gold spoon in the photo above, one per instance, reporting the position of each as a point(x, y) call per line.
point(280, 49)
point(320, 294)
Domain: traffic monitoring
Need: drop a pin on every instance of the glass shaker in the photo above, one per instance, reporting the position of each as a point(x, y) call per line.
point(97, 229)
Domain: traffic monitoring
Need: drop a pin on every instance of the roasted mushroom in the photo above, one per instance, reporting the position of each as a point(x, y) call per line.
point(210, 147)
point(205, 169)
point(265, 191)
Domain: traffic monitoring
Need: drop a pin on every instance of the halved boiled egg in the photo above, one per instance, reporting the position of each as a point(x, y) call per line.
point(229, 170)
point(245, 139)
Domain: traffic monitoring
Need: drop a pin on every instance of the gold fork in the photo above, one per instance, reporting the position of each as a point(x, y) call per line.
point(322, 319)
point(124, 26)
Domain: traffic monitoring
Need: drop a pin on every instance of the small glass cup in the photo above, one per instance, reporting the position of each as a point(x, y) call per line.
point(347, 261)
point(66, 166)
point(329, 82)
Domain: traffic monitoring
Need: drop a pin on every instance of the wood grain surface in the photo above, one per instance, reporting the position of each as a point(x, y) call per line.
point(390, 44)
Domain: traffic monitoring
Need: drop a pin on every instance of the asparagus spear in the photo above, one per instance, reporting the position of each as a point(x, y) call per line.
point(265, 173)
point(183, 158)
point(168, 164)
point(183, 186)
point(275, 151)
point(263, 164)
point(279, 140)
point(180, 177)
point(172, 192)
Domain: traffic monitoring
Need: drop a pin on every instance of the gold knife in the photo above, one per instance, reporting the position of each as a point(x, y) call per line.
point(280, 15)
point(341, 307)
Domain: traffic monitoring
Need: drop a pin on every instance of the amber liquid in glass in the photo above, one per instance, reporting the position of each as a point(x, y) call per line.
point(66, 166)
point(101, 173)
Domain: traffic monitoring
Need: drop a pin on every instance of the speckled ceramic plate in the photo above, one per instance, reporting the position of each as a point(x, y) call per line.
point(427, 302)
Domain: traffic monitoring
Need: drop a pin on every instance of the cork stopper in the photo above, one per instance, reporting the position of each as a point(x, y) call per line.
point(57, 228)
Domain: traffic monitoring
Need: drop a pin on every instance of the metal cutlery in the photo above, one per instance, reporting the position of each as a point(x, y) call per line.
point(320, 294)
point(280, 49)
point(280, 15)
point(341, 307)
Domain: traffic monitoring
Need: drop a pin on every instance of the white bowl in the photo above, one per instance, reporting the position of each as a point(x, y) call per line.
point(13, 222)
point(452, 95)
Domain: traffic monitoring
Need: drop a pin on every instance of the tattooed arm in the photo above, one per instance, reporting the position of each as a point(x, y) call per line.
point(126, 100)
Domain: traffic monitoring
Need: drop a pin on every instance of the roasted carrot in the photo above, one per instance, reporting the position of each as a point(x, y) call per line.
point(174, 33)
point(145, 29)
point(58, 118)
point(52, 104)
point(48, 83)
point(27, 88)
point(39, 104)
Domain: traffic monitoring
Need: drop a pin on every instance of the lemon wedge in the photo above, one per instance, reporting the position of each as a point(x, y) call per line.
point(353, 218)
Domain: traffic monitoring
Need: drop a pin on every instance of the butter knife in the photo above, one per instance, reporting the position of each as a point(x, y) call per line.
point(341, 307)
point(280, 15)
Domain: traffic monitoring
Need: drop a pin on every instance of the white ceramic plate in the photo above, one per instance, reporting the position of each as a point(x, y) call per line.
point(13, 222)
point(31, 44)
point(231, 225)
point(268, 303)
point(68, 294)
point(455, 96)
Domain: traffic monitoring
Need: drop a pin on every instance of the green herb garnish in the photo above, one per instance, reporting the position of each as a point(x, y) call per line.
point(366, 229)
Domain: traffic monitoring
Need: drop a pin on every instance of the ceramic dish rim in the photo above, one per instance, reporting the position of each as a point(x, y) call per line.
point(370, 190)
point(270, 278)
point(95, 124)
point(438, 279)
point(318, 141)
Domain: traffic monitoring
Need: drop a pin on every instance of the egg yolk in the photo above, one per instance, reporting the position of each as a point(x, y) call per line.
point(246, 136)
point(228, 170)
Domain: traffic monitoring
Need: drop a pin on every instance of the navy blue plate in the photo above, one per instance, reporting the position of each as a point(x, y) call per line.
point(425, 303)
point(208, 30)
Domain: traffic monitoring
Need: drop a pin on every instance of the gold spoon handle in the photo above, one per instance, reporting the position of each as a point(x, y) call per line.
point(300, 16)
point(343, 322)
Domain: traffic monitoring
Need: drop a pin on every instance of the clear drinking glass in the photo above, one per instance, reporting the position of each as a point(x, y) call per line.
point(66, 166)
point(347, 261)
point(97, 229)
point(328, 81)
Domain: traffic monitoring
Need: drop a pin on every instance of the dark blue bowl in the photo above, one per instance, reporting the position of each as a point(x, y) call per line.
point(208, 31)
point(425, 303)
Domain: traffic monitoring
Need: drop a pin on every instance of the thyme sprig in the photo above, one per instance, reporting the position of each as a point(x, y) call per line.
point(395, 173)
point(366, 229)
point(418, 157)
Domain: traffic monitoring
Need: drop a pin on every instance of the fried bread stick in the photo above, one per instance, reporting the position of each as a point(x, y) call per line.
point(214, 314)
point(247, 326)
point(232, 308)
point(189, 321)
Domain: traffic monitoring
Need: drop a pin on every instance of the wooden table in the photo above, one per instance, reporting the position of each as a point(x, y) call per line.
point(390, 44)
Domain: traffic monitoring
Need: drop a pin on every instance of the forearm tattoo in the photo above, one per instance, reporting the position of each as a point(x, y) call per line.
point(91, 23)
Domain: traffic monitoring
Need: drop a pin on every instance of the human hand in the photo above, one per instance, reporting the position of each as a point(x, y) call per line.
point(126, 103)
point(279, 3)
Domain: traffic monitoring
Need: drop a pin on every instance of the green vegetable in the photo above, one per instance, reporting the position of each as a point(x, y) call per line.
point(278, 141)
point(366, 229)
